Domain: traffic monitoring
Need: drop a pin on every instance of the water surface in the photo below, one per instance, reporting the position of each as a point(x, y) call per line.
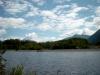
point(55, 62)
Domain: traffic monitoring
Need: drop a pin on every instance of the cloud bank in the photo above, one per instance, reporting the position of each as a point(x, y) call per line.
point(44, 20)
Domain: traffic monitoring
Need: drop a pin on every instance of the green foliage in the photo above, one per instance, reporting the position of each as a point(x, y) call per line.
point(72, 43)
point(11, 44)
point(2, 66)
point(17, 70)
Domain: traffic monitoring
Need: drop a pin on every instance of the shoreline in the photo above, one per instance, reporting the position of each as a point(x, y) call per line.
point(57, 50)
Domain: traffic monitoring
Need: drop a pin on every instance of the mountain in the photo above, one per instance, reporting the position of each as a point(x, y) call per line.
point(78, 36)
point(95, 38)
point(81, 36)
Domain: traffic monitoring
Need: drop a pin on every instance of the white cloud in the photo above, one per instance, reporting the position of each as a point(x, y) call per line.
point(96, 21)
point(84, 31)
point(73, 12)
point(76, 8)
point(60, 9)
point(48, 14)
point(2, 31)
point(39, 2)
point(87, 31)
point(72, 15)
point(1, 2)
point(59, 18)
point(44, 27)
point(13, 37)
point(71, 32)
point(60, 1)
point(14, 7)
point(71, 23)
point(63, 19)
point(33, 12)
point(35, 37)
point(97, 11)
point(12, 22)
point(32, 36)
point(60, 23)
point(66, 21)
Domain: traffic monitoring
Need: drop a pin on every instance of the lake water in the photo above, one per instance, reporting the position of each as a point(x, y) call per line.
point(55, 62)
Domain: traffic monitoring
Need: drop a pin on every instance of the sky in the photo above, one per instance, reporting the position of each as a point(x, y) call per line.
point(48, 20)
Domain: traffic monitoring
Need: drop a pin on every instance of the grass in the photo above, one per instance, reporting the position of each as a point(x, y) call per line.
point(17, 70)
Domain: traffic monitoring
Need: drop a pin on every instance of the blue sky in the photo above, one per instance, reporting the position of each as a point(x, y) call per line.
point(48, 20)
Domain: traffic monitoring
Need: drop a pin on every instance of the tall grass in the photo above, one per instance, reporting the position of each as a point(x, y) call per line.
point(17, 70)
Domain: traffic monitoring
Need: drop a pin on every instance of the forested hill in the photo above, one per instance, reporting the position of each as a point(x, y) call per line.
point(16, 44)
point(95, 38)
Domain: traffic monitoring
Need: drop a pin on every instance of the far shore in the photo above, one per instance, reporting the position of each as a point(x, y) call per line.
point(57, 50)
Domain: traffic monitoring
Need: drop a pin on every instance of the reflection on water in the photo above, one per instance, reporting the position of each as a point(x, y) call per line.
point(55, 63)
point(2, 63)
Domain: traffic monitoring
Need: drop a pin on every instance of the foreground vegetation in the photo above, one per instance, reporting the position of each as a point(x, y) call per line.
point(16, 44)
point(17, 70)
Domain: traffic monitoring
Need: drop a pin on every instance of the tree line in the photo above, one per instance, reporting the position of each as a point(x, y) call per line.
point(16, 44)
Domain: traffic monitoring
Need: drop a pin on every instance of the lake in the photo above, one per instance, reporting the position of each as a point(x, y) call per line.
point(55, 62)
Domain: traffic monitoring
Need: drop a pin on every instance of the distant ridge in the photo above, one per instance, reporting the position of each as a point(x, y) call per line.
point(78, 36)
point(95, 38)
